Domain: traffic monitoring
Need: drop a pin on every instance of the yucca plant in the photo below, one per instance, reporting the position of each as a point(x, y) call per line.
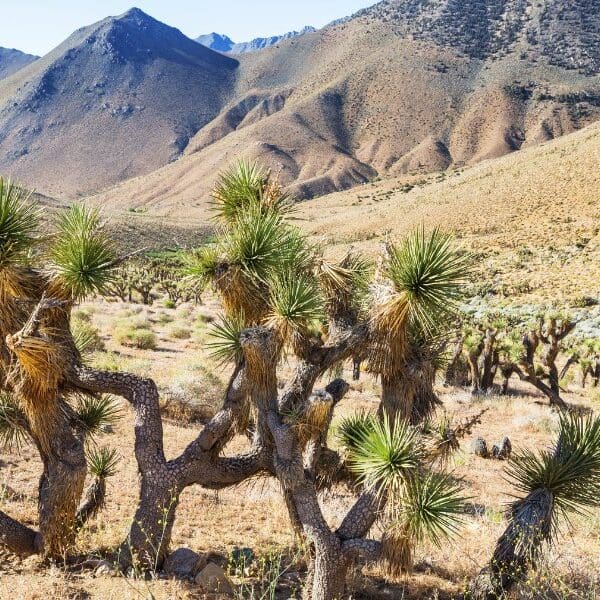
point(82, 257)
point(389, 454)
point(202, 264)
point(346, 284)
point(431, 508)
point(427, 275)
point(96, 413)
point(225, 333)
point(354, 429)
point(296, 306)
point(556, 483)
point(14, 430)
point(416, 299)
point(102, 464)
point(389, 458)
point(245, 184)
point(19, 219)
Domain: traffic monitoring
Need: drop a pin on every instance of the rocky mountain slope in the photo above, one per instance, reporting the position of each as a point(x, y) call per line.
point(12, 60)
point(530, 218)
point(116, 99)
point(223, 43)
point(405, 86)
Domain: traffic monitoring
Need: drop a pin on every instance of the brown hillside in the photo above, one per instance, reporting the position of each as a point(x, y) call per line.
point(402, 87)
point(335, 108)
point(533, 217)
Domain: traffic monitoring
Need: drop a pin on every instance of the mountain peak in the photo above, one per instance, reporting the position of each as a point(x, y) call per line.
point(12, 60)
point(223, 43)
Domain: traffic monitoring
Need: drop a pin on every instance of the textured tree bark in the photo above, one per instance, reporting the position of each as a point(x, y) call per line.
point(518, 547)
point(395, 403)
point(489, 363)
point(473, 360)
point(60, 490)
point(161, 482)
point(450, 376)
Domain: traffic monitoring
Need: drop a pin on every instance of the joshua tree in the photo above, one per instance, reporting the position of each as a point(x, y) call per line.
point(280, 296)
point(558, 482)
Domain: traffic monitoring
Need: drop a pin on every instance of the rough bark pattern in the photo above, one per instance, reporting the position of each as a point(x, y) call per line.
point(517, 548)
point(162, 481)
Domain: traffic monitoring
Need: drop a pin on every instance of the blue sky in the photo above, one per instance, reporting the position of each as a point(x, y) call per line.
point(37, 26)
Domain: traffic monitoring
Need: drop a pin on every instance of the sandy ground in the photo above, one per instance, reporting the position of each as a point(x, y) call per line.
point(253, 514)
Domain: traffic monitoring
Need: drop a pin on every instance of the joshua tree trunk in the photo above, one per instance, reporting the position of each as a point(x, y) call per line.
point(162, 481)
point(394, 401)
point(518, 547)
point(473, 360)
point(450, 377)
point(60, 490)
point(489, 360)
point(551, 338)
point(507, 371)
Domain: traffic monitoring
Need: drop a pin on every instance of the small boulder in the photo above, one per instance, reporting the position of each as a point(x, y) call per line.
point(502, 450)
point(184, 563)
point(213, 580)
point(479, 448)
point(105, 569)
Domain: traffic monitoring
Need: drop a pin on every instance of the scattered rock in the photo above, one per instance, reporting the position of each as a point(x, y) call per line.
point(105, 569)
point(479, 448)
point(213, 580)
point(184, 563)
point(502, 450)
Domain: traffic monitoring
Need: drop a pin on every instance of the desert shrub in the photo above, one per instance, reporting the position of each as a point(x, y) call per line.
point(133, 337)
point(105, 361)
point(165, 318)
point(180, 333)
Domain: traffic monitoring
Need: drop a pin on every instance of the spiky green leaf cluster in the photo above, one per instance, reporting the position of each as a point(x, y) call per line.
point(13, 424)
point(296, 303)
point(18, 223)
point(431, 507)
point(102, 462)
point(97, 412)
point(226, 346)
point(570, 470)
point(243, 185)
point(82, 256)
point(201, 264)
point(260, 243)
point(387, 457)
point(430, 274)
point(353, 430)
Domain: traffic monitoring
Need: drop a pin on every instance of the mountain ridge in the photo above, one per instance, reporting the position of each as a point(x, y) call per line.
point(12, 60)
point(376, 95)
point(223, 43)
point(103, 101)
